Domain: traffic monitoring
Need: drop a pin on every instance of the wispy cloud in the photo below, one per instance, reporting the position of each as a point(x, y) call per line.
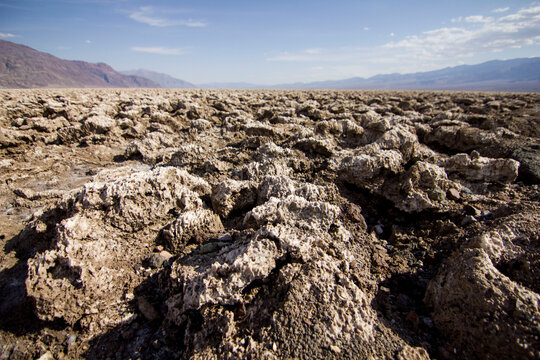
point(314, 54)
point(501, 10)
point(158, 50)
point(159, 18)
point(445, 46)
point(6, 35)
point(314, 51)
point(478, 19)
point(484, 34)
point(88, 41)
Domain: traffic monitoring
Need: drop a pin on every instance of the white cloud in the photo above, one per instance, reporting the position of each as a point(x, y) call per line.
point(88, 41)
point(314, 54)
point(366, 28)
point(478, 19)
point(487, 34)
point(292, 57)
point(433, 49)
point(158, 18)
point(158, 50)
point(313, 51)
point(501, 10)
point(6, 35)
point(392, 34)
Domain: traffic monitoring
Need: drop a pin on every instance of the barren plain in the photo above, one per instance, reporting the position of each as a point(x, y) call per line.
point(201, 224)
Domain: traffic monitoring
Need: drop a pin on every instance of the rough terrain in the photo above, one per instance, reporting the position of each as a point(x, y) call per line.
point(202, 224)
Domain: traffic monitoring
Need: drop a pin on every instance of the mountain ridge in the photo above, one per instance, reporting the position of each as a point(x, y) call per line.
point(165, 80)
point(521, 74)
point(24, 67)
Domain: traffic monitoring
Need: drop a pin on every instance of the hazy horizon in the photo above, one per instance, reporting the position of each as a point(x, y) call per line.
point(278, 42)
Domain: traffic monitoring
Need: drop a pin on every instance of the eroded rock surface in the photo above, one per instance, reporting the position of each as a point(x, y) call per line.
point(267, 224)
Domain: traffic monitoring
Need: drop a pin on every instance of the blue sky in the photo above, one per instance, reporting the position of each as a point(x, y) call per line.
point(272, 42)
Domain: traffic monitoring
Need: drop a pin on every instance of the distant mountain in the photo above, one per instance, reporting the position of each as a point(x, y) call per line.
point(496, 75)
point(24, 67)
point(166, 81)
point(231, 85)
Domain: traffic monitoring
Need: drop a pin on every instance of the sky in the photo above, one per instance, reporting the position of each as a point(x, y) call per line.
point(278, 41)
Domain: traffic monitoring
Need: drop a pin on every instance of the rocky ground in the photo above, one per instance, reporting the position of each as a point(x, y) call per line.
point(159, 224)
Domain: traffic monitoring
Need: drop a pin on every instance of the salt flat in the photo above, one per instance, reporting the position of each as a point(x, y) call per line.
point(269, 224)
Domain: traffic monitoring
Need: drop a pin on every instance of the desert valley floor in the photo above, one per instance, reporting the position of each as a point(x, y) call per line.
point(202, 224)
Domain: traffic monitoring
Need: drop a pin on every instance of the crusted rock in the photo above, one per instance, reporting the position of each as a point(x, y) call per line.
point(317, 146)
point(222, 280)
point(298, 224)
point(151, 149)
point(423, 186)
point(482, 169)
point(288, 228)
point(98, 124)
point(233, 195)
point(84, 268)
point(295, 210)
point(256, 171)
point(480, 308)
point(271, 150)
point(189, 224)
point(258, 129)
point(283, 186)
point(127, 202)
point(495, 243)
point(363, 169)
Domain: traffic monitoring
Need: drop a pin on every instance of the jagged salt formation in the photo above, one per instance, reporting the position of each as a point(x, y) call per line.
point(277, 224)
point(83, 277)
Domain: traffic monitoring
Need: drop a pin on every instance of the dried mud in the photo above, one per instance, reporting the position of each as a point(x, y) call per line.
point(202, 224)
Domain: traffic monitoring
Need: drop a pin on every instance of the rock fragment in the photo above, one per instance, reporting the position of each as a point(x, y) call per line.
point(232, 195)
point(148, 311)
point(98, 124)
point(453, 194)
point(482, 169)
point(190, 224)
point(423, 186)
point(363, 169)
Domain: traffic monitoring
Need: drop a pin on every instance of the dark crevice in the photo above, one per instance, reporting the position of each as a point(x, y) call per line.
point(521, 271)
point(399, 304)
point(378, 210)
point(280, 264)
point(62, 270)
point(196, 320)
point(443, 149)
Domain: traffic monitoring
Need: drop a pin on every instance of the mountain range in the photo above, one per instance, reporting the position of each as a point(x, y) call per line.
point(496, 75)
point(233, 85)
point(164, 80)
point(24, 67)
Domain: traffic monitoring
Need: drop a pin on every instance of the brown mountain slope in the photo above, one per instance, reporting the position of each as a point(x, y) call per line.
point(24, 67)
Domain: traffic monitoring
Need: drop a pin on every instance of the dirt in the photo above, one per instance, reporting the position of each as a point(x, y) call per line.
point(204, 224)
